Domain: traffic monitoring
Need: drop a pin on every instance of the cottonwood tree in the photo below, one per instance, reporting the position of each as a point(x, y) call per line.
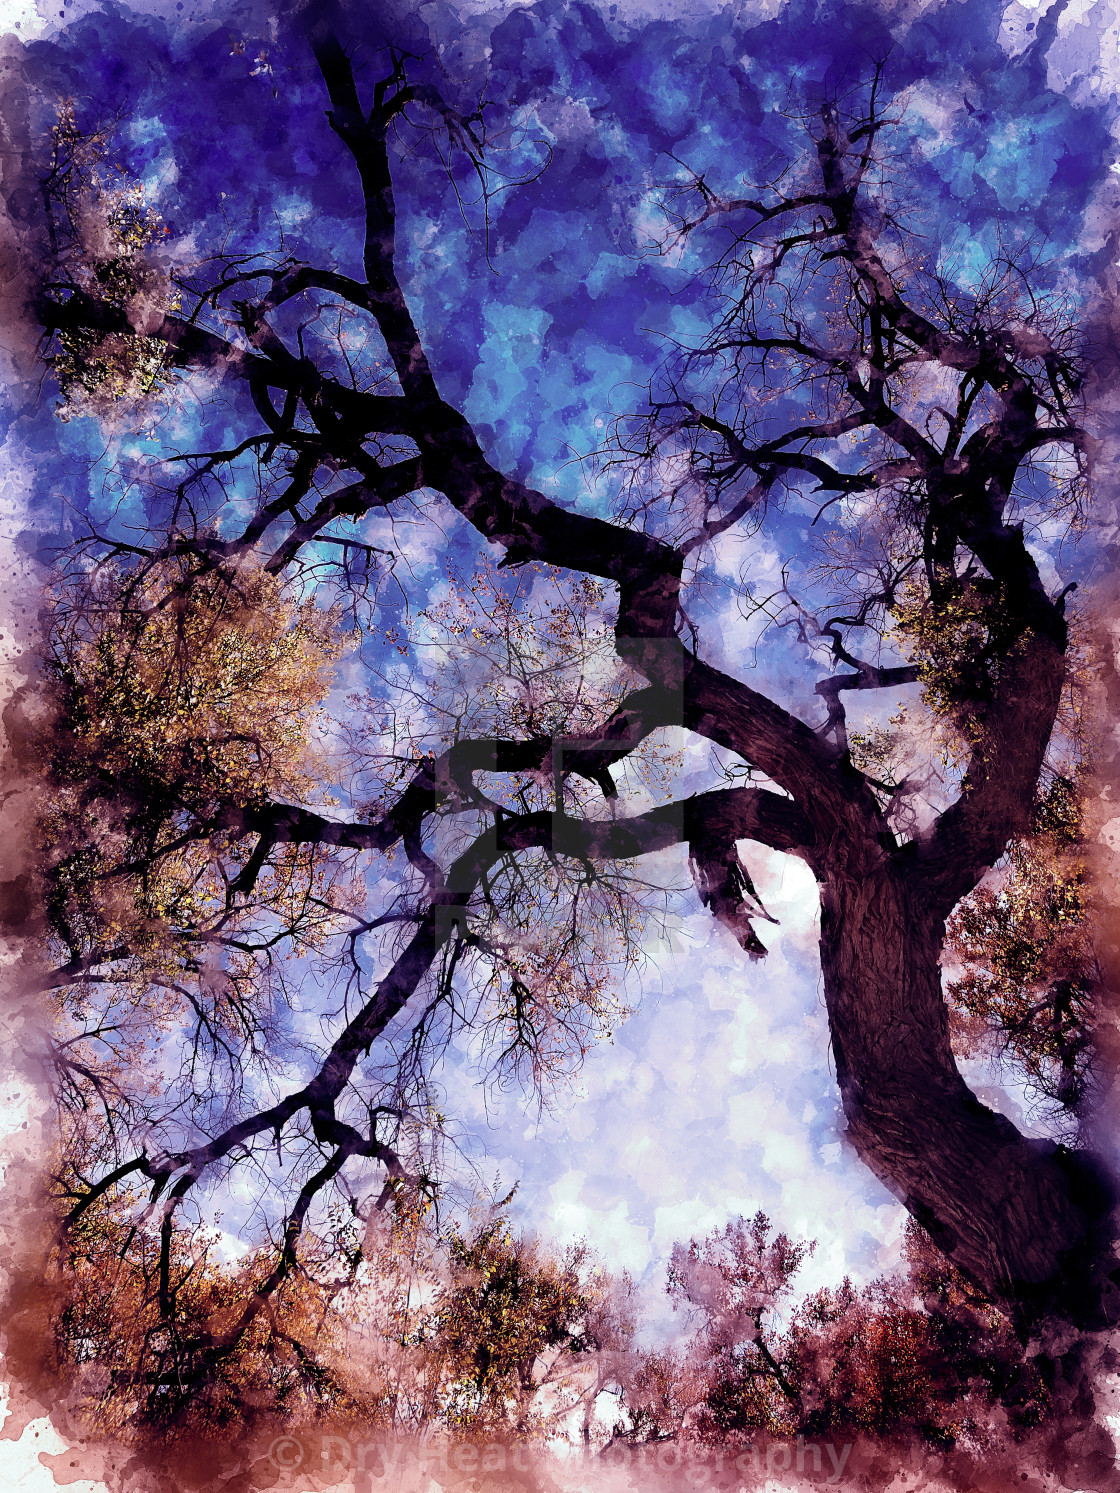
point(479, 859)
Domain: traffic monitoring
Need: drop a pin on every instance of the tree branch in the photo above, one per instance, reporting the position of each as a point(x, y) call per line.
point(753, 813)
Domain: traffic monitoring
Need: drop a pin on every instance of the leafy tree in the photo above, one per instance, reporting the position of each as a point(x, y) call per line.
point(391, 1327)
point(738, 1276)
point(513, 1322)
point(922, 1353)
point(479, 871)
point(100, 227)
point(1030, 981)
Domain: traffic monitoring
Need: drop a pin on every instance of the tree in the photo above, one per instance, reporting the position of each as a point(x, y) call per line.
point(1031, 978)
point(516, 1332)
point(931, 408)
point(389, 1327)
point(739, 1278)
point(922, 1353)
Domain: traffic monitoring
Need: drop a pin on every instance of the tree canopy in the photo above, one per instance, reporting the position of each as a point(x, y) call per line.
point(310, 817)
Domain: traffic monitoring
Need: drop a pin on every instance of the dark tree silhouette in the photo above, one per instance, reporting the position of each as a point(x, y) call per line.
point(931, 407)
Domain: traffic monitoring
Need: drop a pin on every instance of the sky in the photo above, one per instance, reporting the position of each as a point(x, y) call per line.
point(716, 1098)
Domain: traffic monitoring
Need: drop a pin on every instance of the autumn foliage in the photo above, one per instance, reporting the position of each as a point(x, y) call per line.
point(297, 844)
point(917, 1353)
point(387, 1324)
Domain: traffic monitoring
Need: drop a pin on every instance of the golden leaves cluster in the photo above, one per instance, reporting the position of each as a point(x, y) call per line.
point(1026, 974)
point(103, 232)
point(182, 697)
point(957, 634)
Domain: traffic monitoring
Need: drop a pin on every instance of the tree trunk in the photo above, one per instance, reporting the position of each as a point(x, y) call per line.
point(1026, 1220)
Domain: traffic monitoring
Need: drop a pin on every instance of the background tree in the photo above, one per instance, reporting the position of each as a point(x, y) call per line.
point(388, 1327)
point(933, 407)
point(920, 1352)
